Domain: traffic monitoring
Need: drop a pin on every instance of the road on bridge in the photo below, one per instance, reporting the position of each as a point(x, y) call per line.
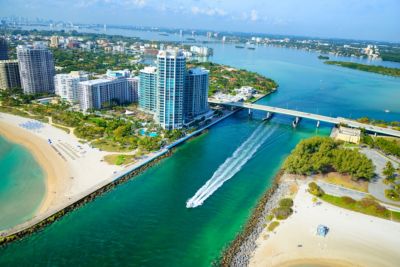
point(311, 116)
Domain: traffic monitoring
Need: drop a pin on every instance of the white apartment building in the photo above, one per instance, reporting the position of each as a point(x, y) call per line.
point(67, 85)
point(99, 93)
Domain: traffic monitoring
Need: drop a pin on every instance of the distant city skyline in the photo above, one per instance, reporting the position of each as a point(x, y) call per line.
point(350, 19)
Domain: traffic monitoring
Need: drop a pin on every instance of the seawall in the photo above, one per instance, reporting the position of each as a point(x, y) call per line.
point(238, 251)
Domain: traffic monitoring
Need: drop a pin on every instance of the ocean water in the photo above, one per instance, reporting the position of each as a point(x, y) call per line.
point(145, 222)
point(22, 185)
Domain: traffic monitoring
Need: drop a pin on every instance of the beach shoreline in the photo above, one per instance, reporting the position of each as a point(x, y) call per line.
point(54, 168)
point(369, 242)
point(354, 239)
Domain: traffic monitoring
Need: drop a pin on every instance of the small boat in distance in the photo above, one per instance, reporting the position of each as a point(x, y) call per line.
point(387, 111)
point(239, 46)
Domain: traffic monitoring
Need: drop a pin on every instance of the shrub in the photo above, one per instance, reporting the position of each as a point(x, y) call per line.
point(392, 194)
point(389, 171)
point(315, 190)
point(273, 225)
point(368, 202)
point(286, 202)
point(348, 200)
point(270, 217)
point(282, 213)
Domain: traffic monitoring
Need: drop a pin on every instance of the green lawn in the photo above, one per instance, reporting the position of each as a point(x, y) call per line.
point(119, 159)
point(365, 206)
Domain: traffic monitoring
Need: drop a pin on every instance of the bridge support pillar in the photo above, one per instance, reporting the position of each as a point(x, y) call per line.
point(318, 122)
point(268, 116)
point(250, 113)
point(296, 122)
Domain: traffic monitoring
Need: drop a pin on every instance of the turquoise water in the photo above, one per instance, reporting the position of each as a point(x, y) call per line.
point(22, 185)
point(144, 222)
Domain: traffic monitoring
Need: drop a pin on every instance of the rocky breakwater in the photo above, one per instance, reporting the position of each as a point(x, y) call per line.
point(240, 250)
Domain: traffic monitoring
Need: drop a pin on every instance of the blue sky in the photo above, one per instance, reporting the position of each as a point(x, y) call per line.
point(358, 19)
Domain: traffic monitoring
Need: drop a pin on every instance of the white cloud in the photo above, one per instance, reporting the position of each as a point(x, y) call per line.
point(139, 3)
point(208, 11)
point(117, 3)
point(253, 15)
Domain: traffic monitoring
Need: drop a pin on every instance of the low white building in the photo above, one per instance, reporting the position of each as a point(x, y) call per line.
point(200, 50)
point(347, 134)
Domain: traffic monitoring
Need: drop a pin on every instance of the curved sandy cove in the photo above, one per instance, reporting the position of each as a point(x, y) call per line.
point(72, 169)
point(354, 239)
point(55, 169)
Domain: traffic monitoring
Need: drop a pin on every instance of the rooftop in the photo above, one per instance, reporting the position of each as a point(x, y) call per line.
point(198, 71)
point(174, 53)
point(150, 70)
point(97, 81)
point(349, 131)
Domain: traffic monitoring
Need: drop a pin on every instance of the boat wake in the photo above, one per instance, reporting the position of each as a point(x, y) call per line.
point(232, 165)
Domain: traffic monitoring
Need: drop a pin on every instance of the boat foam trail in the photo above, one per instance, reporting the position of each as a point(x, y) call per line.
point(232, 165)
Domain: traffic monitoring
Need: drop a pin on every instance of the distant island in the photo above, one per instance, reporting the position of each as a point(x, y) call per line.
point(323, 57)
point(370, 68)
point(226, 79)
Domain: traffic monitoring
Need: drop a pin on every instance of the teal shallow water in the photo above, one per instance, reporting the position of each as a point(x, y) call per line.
point(22, 185)
point(144, 222)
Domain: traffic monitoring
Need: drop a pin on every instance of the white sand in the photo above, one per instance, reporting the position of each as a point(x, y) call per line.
point(78, 169)
point(354, 239)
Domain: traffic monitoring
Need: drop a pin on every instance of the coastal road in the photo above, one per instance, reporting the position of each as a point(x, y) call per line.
point(339, 191)
point(376, 187)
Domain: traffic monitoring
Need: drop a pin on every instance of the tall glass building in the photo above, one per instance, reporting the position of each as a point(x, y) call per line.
point(36, 69)
point(3, 49)
point(9, 74)
point(196, 93)
point(171, 72)
point(148, 89)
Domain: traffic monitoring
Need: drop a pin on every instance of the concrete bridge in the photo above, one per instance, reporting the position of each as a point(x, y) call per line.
point(299, 114)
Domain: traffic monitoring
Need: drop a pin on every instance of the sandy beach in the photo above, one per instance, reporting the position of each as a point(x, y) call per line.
point(52, 164)
point(71, 168)
point(354, 239)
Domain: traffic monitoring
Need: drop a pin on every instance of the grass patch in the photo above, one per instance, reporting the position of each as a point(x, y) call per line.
point(109, 146)
point(272, 226)
point(14, 111)
point(17, 112)
point(345, 181)
point(367, 206)
point(118, 159)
